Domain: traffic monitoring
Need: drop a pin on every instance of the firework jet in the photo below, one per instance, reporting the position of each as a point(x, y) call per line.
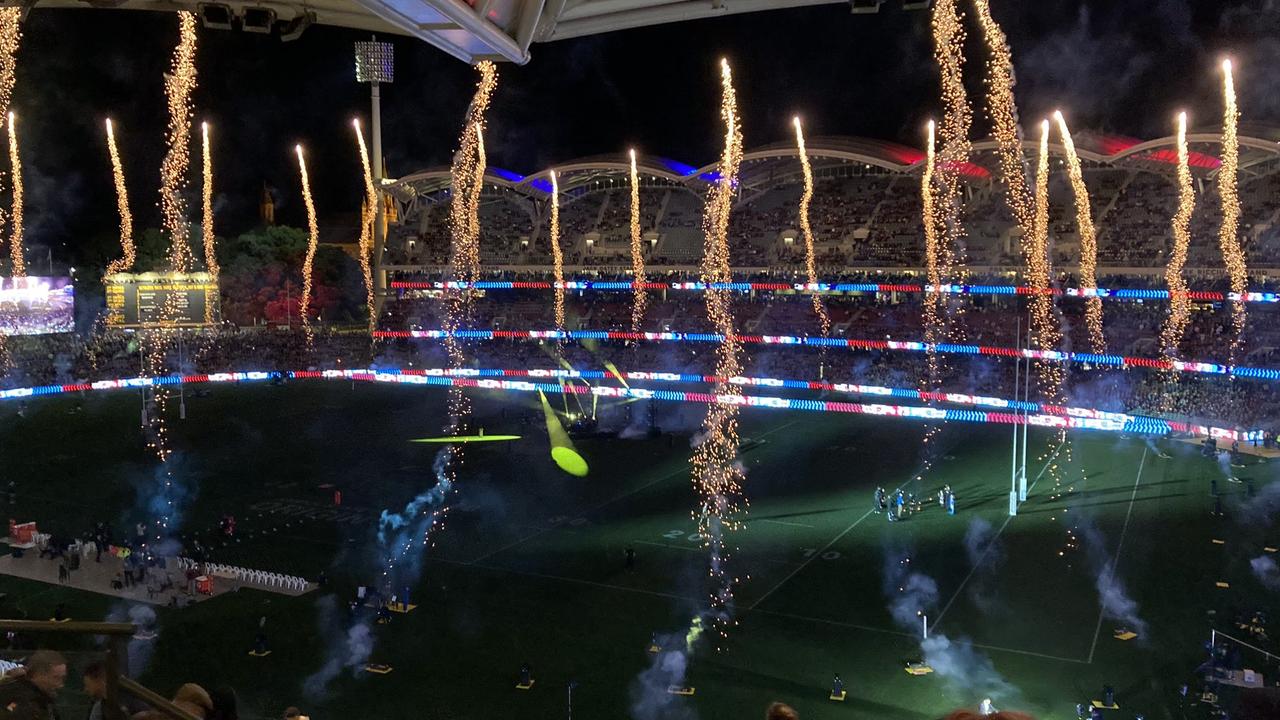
point(948, 50)
point(206, 204)
point(398, 533)
point(179, 83)
point(467, 180)
point(933, 302)
point(1088, 239)
point(1228, 192)
point(10, 39)
point(1175, 326)
point(368, 213)
point(1046, 331)
point(125, 262)
point(1004, 120)
point(466, 177)
point(557, 257)
point(810, 261)
point(313, 235)
point(717, 476)
point(16, 254)
point(640, 298)
point(1022, 203)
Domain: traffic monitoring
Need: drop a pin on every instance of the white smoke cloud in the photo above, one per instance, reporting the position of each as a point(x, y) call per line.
point(1265, 569)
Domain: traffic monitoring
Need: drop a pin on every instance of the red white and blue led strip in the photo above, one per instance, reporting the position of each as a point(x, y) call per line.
point(1079, 419)
point(1121, 361)
point(849, 388)
point(837, 287)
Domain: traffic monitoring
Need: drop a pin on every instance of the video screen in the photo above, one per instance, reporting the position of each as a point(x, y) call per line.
point(150, 299)
point(37, 305)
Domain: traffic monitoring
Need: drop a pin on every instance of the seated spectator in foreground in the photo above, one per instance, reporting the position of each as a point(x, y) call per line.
point(971, 715)
point(31, 695)
point(190, 697)
point(781, 711)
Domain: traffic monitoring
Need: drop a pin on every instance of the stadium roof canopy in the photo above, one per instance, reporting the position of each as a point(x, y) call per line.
point(776, 163)
point(470, 30)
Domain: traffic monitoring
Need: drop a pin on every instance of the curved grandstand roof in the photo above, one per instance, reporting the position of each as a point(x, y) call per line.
point(470, 30)
point(1259, 153)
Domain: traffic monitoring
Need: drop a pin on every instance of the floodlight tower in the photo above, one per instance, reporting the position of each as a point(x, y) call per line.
point(375, 64)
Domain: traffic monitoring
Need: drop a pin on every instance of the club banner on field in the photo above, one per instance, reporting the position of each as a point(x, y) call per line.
point(36, 305)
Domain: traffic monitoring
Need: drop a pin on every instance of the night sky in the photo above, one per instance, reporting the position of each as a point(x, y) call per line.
point(1122, 66)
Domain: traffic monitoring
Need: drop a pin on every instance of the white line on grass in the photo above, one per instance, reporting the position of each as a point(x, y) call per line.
point(827, 547)
point(700, 549)
point(561, 578)
point(992, 544)
point(913, 636)
point(1120, 545)
point(780, 522)
point(809, 559)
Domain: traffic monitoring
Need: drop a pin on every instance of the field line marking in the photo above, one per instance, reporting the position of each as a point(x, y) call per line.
point(780, 522)
point(994, 538)
point(700, 549)
point(898, 633)
point(809, 559)
point(1119, 546)
point(618, 498)
point(561, 578)
point(827, 547)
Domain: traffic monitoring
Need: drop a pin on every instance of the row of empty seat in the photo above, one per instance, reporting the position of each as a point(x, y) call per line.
point(249, 575)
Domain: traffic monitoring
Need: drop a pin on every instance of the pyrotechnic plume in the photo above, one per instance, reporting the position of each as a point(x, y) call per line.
point(125, 262)
point(1228, 192)
point(473, 203)
point(467, 175)
point(368, 214)
point(934, 310)
point(313, 235)
point(717, 476)
point(399, 532)
point(810, 261)
point(1026, 209)
point(933, 302)
point(467, 179)
point(180, 81)
point(640, 297)
point(10, 38)
point(948, 50)
point(1088, 239)
point(557, 257)
point(1175, 326)
point(1046, 326)
point(16, 254)
point(1046, 330)
point(210, 258)
point(1003, 111)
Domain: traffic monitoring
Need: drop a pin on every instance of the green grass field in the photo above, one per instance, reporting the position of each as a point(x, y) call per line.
point(529, 566)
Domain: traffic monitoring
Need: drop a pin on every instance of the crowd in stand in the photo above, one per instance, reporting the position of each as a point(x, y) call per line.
point(34, 688)
point(1132, 328)
point(866, 218)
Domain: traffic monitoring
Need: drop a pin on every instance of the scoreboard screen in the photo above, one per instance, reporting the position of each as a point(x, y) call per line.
point(150, 299)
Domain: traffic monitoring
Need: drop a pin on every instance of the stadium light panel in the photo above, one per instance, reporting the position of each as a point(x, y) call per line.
point(215, 16)
point(258, 20)
point(375, 62)
point(293, 29)
point(917, 4)
point(865, 7)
